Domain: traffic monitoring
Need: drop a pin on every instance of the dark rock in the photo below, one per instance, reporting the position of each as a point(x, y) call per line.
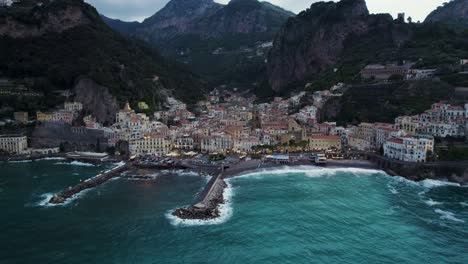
point(454, 11)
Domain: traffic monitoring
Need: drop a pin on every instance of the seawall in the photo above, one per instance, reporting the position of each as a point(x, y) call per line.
point(63, 196)
point(207, 206)
point(456, 172)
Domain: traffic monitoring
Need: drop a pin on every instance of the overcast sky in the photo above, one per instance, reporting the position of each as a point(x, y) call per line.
point(137, 10)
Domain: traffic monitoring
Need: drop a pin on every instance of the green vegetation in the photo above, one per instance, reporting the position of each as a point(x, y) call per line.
point(382, 103)
point(230, 59)
point(56, 60)
point(453, 154)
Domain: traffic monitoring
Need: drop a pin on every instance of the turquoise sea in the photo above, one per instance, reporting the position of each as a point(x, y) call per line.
point(288, 215)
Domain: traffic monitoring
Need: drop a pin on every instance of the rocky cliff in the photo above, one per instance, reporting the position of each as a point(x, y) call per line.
point(178, 17)
point(311, 42)
point(205, 19)
point(454, 11)
point(56, 43)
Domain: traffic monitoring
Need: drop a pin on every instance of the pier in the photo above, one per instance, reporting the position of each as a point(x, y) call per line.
point(63, 196)
point(207, 205)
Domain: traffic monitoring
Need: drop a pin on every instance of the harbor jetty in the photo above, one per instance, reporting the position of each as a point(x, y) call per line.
point(63, 196)
point(207, 206)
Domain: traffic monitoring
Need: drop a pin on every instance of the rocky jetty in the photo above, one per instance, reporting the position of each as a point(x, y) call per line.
point(63, 196)
point(208, 207)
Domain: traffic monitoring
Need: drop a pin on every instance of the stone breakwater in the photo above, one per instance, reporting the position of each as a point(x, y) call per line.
point(63, 196)
point(208, 206)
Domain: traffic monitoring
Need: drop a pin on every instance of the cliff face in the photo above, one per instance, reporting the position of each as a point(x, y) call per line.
point(97, 100)
point(56, 43)
point(243, 17)
point(205, 18)
point(311, 42)
point(454, 11)
point(177, 17)
point(56, 22)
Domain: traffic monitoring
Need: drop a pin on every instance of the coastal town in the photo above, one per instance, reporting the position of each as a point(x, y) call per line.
point(229, 122)
point(234, 131)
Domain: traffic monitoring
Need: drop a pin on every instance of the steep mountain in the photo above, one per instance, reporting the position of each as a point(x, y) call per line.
point(177, 18)
point(123, 27)
point(225, 43)
point(55, 45)
point(313, 41)
point(331, 42)
point(455, 11)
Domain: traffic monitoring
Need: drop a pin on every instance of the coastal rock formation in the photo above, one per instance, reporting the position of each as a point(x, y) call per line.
point(208, 207)
point(176, 18)
point(455, 11)
point(97, 100)
point(53, 20)
point(313, 41)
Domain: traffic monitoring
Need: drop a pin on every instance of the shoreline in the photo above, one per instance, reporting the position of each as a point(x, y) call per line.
point(207, 205)
point(208, 202)
point(208, 209)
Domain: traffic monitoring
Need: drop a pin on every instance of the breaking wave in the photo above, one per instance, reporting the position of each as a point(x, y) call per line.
point(431, 202)
point(75, 163)
point(435, 183)
point(446, 215)
point(310, 171)
point(19, 161)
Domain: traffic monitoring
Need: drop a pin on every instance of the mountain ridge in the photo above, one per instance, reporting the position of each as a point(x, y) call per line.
point(218, 42)
point(455, 11)
point(62, 54)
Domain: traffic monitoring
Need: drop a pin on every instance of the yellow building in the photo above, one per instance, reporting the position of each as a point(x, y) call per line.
point(324, 142)
point(44, 117)
point(13, 144)
point(154, 145)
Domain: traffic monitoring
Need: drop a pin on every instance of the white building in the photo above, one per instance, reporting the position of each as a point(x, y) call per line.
point(13, 144)
point(73, 106)
point(246, 144)
point(216, 143)
point(408, 149)
point(184, 142)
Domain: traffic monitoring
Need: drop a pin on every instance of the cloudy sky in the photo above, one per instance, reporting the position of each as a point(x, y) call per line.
point(131, 10)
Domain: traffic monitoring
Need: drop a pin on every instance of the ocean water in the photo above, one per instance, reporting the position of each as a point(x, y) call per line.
point(286, 215)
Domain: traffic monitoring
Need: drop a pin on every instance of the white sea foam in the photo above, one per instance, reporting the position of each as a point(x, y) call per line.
point(464, 204)
point(431, 202)
point(392, 190)
point(53, 158)
point(75, 163)
point(427, 184)
point(435, 183)
point(45, 198)
point(119, 164)
point(225, 211)
point(310, 171)
point(19, 161)
point(446, 215)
